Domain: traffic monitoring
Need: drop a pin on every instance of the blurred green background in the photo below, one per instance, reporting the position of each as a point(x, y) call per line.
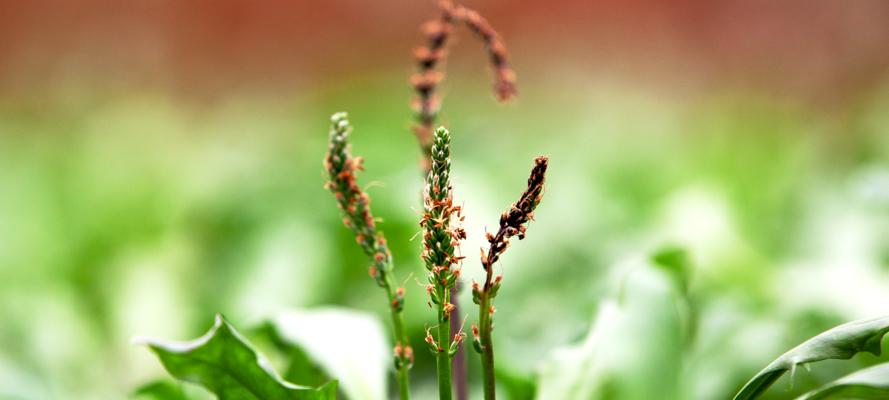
point(160, 161)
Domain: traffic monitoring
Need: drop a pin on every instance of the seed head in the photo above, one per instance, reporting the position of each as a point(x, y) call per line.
point(441, 235)
point(428, 56)
point(513, 222)
point(341, 169)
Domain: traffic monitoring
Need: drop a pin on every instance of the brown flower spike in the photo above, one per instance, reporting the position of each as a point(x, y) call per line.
point(513, 222)
point(428, 56)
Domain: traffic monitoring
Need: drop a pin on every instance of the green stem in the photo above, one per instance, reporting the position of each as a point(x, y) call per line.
point(443, 357)
point(487, 356)
point(401, 374)
point(401, 338)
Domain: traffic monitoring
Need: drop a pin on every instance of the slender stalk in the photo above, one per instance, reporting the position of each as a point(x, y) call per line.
point(461, 389)
point(443, 359)
point(513, 222)
point(355, 205)
point(441, 238)
point(487, 355)
point(403, 356)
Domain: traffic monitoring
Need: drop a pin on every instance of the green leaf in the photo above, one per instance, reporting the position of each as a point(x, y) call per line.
point(868, 383)
point(841, 343)
point(227, 365)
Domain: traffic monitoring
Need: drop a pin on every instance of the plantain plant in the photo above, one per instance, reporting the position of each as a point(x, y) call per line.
point(224, 362)
point(441, 239)
point(228, 365)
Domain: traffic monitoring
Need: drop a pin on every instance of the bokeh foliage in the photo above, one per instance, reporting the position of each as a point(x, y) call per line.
point(141, 213)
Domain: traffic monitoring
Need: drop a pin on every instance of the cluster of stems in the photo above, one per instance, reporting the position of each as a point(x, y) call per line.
point(441, 239)
point(355, 205)
point(513, 222)
point(441, 218)
point(427, 104)
point(442, 234)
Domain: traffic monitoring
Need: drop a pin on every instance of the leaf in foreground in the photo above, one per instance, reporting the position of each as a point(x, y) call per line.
point(227, 365)
point(841, 343)
point(868, 383)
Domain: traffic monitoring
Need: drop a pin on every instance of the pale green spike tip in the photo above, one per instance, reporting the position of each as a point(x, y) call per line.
point(339, 117)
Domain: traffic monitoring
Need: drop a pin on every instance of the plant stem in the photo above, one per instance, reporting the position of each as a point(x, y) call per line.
point(459, 364)
point(443, 356)
point(487, 354)
point(401, 340)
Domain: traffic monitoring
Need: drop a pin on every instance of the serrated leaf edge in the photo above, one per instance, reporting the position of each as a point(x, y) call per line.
point(183, 347)
point(768, 375)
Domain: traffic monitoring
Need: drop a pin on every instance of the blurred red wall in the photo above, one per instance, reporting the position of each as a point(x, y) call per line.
point(812, 47)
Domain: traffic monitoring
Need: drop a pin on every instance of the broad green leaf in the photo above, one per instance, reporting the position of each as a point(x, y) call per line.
point(347, 344)
point(227, 365)
point(841, 343)
point(868, 383)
